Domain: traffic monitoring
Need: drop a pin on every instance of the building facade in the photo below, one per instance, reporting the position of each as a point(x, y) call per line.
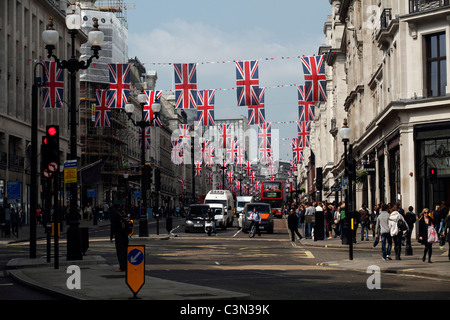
point(388, 75)
point(21, 50)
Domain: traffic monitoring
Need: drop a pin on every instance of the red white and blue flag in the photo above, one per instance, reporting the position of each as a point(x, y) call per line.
point(119, 84)
point(315, 78)
point(185, 85)
point(248, 167)
point(297, 150)
point(240, 156)
point(230, 177)
point(209, 178)
point(247, 82)
point(265, 135)
point(53, 91)
point(102, 108)
point(205, 107)
point(152, 97)
point(177, 153)
point(185, 134)
point(305, 107)
point(198, 169)
point(304, 133)
point(224, 135)
point(146, 137)
point(256, 113)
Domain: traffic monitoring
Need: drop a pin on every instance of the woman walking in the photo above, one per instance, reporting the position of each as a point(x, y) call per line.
point(425, 222)
point(396, 232)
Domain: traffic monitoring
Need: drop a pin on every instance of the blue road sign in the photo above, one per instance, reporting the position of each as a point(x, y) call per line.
point(135, 257)
point(14, 190)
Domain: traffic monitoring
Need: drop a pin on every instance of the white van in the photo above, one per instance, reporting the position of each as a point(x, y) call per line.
point(225, 198)
point(241, 202)
point(220, 217)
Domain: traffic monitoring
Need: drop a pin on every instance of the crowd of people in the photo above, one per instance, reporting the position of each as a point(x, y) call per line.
point(389, 224)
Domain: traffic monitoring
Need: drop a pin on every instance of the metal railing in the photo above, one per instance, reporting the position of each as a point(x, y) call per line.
point(425, 5)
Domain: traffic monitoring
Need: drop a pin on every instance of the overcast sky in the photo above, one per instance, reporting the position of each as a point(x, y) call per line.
point(180, 31)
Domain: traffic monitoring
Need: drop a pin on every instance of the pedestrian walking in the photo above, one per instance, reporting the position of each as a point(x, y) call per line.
point(425, 223)
point(309, 216)
point(293, 225)
point(119, 232)
point(15, 222)
point(364, 218)
point(447, 233)
point(383, 231)
point(396, 232)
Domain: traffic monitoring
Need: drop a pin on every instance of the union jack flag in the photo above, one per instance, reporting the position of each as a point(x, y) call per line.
point(232, 151)
point(240, 156)
point(205, 107)
point(177, 153)
point(119, 84)
point(247, 81)
point(53, 91)
point(185, 85)
point(102, 108)
point(185, 134)
point(315, 78)
point(304, 132)
point(252, 177)
point(265, 135)
point(182, 182)
point(198, 169)
point(230, 177)
point(152, 97)
point(305, 107)
point(224, 135)
point(147, 138)
point(248, 167)
point(209, 178)
point(293, 166)
point(208, 153)
point(297, 150)
point(257, 113)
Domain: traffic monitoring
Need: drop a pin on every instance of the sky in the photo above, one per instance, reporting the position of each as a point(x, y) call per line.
point(199, 31)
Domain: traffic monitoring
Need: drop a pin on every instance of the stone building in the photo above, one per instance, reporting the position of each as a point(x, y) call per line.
point(388, 75)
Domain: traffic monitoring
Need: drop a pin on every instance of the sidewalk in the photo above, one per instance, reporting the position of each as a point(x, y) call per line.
point(409, 265)
point(99, 280)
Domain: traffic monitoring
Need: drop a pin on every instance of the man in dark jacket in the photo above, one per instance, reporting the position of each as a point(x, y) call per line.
point(120, 233)
point(293, 225)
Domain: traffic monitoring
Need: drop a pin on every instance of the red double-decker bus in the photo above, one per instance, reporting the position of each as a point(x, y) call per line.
point(272, 193)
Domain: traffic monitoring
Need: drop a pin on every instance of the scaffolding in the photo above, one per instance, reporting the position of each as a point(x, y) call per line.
point(108, 144)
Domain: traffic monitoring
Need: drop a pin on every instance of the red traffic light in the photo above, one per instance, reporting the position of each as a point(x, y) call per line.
point(45, 141)
point(52, 131)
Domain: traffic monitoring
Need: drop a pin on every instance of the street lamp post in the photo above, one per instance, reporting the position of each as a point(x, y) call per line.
point(73, 65)
point(345, 133)
point(129, 109)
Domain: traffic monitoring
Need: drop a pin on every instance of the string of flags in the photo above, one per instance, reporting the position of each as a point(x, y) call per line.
point(188, 96)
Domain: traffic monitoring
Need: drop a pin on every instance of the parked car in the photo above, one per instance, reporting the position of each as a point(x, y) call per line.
point(264, 210)
point(195, 218)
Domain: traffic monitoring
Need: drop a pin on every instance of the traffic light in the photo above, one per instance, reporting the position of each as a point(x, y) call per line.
point(44, 158)
point(148, 176)
point(319, 179)
point(433, 175)
point(157, 180)
point(52, 142)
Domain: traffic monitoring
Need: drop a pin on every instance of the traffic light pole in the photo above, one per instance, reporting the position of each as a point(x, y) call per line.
point(34, 165)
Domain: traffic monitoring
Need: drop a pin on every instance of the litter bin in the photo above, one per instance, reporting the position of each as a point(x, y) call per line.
point(84, 236)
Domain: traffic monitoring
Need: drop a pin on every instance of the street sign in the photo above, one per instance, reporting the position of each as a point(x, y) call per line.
point(70, 171)
point(135, 278)
point(14, 190)
point(52, 167)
